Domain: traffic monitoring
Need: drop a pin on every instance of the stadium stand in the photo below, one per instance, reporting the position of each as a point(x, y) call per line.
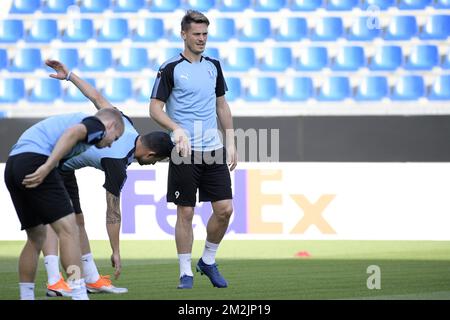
point(273, 52)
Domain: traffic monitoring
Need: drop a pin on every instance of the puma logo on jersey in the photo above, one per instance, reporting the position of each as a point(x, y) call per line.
point(183, 76)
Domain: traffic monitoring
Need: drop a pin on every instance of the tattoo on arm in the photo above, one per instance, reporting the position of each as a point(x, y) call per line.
point(113, 214)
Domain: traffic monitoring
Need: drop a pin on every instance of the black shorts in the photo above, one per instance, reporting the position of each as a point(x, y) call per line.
point(70, 182)
point(212, 179)
point(44, 204)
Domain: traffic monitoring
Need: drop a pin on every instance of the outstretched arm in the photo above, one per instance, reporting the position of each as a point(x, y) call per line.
point(65, 143)
point(113, 220)
point(89, 91)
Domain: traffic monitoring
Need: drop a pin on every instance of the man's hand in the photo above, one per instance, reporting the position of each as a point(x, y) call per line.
point(232, 157)
point(116, 264)
point(182, 144)
point(34, 179)
point(61, 69)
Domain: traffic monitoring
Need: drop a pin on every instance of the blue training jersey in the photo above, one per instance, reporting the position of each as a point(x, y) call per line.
point(189, 91)
point(42, 137)
point(114, 161)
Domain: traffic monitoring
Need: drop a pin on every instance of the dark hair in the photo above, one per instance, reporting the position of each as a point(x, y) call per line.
point(158, 142)
point(193, 16)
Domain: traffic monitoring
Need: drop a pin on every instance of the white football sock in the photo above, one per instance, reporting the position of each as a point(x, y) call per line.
point(90, 272)
point(78, 289)
point(26, 290)
point(185, 264)
point(209, 253)
point(51, 263)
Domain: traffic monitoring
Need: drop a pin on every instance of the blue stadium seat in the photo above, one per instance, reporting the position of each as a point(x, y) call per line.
point(334, 89)
point(440, 89)
point(408, 88)
point(26, 60)
point(173, 35)
point(68, 56)
point(148, 30)
point(422, 57)
point(94, 6)
point(221, 29)
point(129, 5)
point(372, 89)
point(269, 5)
point(118, 89)
point(46, 90)
point(3, 59)
point(211, 53)
point(276, 59)
point(234, 88)
point(73, 94)
point(386, 58)
point(165, 54)
point(240, 59)
point(164, 5)
point(233, 5)
point(361, 31)
point(261, 89)
point(349, 59)
point(11, 30)
point(200, 5)
point(312, 59)
point(327, 29)
point(133, 59)
point(144, 91)
point(78, 31)
point(297, 89)
point(11, 90)
point(436, 27)
point(441, 4)
point(401, 28)
point(445, 63)
point(305, 5)
point(25, 6)
point(413, 4)
point(96, 59)
point(255, 29)
point(341, 5)
point(377, 4)
point(292, 29)
point(115, 29)
point(57, 6)
point(42, 30)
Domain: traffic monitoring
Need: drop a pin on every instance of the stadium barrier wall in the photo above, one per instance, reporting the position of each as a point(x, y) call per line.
point(320, 138)
point(329, 201)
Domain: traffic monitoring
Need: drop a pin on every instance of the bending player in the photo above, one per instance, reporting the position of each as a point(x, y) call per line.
point(145, 149)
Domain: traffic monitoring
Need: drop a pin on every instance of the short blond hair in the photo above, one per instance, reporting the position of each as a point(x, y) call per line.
point(111, 114)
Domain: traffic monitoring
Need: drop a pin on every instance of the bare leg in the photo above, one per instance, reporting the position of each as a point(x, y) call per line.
point(219, 220)
point(51, 243)
point(184, 238)
point(28, 260)
point(216, 228)
point(84, 240)
point(68, 235)
point(183, 229)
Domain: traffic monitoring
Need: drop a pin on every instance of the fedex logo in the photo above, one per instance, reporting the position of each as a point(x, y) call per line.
point(249, 200)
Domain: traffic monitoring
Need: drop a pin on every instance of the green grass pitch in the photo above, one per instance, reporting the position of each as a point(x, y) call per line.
point(266, 270)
